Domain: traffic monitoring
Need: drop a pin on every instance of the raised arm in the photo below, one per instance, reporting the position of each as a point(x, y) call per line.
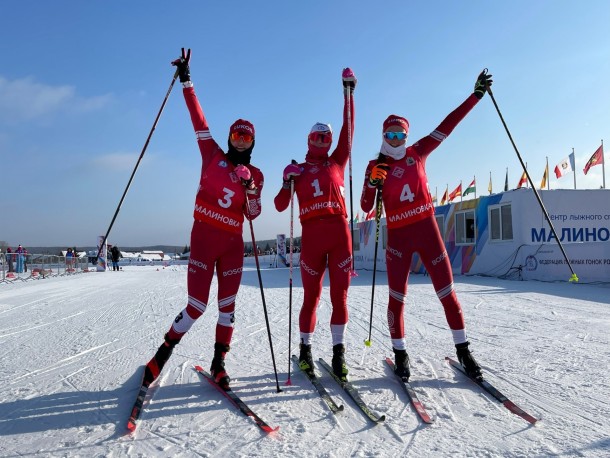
point(430, 142)
point(346, 136)
point(207, 145)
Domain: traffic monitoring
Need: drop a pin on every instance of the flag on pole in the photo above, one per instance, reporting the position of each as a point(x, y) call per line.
point(445, 196)
point(545, 177)
point(506, 180)
point(522, 180)
point(456, 192)
point(565, 166)
point(472, 187)
point(596, 159)
point(371, 214)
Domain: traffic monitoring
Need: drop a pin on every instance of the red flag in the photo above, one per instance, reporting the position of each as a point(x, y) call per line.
point(596, 159)
point(522, 181)
point(371, 214)
point(456, 192)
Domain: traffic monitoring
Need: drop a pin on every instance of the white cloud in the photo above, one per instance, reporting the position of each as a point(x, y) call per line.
point(26, 99)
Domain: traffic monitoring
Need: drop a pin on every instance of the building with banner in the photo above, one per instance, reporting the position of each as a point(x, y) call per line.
point(506, 235)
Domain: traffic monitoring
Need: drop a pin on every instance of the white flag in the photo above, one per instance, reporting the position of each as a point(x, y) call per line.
point(565, 166)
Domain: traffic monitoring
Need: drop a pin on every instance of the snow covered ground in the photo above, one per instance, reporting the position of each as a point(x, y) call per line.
point(71, 351)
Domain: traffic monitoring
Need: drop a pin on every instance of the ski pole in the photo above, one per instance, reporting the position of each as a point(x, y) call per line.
point(139, 159)
point(289, 382)
point(378, 208)
point(351, 197)
point(260, 282)
point(542, 207)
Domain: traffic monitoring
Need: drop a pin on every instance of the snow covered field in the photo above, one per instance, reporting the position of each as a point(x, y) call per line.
point(71, 351)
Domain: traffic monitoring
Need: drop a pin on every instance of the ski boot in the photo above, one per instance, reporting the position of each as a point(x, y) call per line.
point(305, 359)
point(155, 365)
point(217, 369)
point(401, 367)
point(468, 362)
point(338, 363)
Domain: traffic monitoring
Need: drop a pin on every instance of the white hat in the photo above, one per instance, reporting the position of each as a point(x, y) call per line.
point(321, 127)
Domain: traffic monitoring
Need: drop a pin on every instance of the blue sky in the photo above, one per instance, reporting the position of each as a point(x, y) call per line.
point(81, 84)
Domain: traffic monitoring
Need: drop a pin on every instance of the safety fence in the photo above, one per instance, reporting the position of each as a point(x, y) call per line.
point(20, 267)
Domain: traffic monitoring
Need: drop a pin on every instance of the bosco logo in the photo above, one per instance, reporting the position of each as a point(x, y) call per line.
point(227, 273)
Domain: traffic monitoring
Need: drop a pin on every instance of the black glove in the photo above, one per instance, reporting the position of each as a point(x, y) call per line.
point(184, 72)
point(483, 82)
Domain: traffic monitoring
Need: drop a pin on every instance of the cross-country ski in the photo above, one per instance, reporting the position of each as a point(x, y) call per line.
point(315, 381)
point(412, 394)
point(237, 402)
point(493, 391)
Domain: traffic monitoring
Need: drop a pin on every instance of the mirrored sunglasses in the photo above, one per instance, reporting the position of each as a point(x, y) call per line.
point(324, 137)
point(395, 135)
point(247, 138)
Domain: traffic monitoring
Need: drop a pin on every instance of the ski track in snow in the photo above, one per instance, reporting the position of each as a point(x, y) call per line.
point(73, 348)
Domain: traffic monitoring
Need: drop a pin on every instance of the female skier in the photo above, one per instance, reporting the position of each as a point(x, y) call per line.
point(325, 239)
point(412, 227)
point(229, 189)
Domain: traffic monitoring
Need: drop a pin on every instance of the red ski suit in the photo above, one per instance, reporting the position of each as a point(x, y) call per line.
point(325, 239)
point(412, 228)
point(216, 236)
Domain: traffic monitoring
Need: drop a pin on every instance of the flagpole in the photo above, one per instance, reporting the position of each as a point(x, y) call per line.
point(475, 185)
point(490, 184)
point(548, 175)
point(603, 166)
point(461, 198)
point(574, 168)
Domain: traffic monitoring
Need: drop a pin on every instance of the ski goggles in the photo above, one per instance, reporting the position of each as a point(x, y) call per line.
point(324, 137)
point(247, 138)
point(395, 135)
